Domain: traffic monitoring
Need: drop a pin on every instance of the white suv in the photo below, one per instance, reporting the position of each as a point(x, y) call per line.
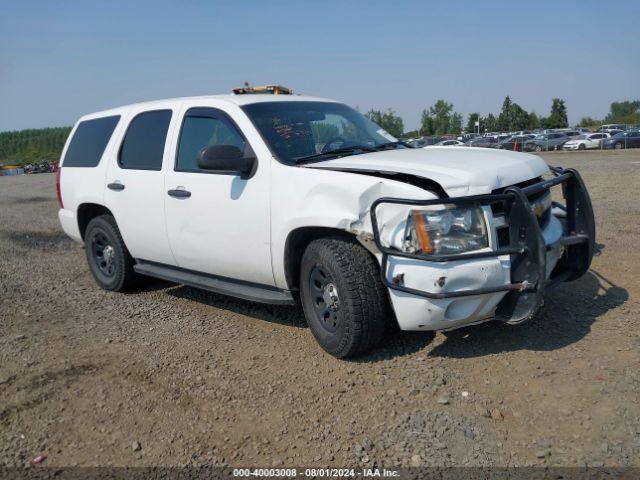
point(271, 197)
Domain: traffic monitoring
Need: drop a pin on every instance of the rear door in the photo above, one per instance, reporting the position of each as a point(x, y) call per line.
point(220, 224)
point(135, 184)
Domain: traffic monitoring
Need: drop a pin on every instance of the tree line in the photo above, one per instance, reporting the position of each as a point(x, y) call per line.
point(442, 119)
point(32, 145)
point(627, 112)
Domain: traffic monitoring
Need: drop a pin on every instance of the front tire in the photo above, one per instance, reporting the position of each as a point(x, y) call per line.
point(109, 260)
point(538, 148)
point(618, 146)
point(582, 146)
point(343, 299)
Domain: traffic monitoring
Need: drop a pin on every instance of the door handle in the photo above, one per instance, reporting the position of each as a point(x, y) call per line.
point(179, 193)
point(115, 186)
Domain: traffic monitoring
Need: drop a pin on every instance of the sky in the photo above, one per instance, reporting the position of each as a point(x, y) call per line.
point(60, 60)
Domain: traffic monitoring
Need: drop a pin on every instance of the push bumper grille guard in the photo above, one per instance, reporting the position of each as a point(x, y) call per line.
point(526, 247)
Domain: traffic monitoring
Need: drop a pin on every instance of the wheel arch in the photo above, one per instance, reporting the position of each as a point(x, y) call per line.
point(88, 211)
point(297, 242)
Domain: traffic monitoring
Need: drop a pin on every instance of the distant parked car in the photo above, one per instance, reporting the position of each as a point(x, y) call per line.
point(585, 142)
point(548, 141)
point(614, 131)
point(630, 139)
point(415, 142)
point(583, 130)
point(514, 143)
point(482, 142)
point(522, 132)
point(467, 136)
point(447, 143)
point(573, 133)
point(611, 126)
point(431, 140)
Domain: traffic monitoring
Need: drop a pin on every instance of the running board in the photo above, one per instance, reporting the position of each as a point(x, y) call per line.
point(226, 286)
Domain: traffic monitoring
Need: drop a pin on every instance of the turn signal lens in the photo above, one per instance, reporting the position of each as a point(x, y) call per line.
point(421, 232)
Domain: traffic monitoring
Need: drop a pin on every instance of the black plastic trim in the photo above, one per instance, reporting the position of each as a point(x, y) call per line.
point(254, 292)
point(179, 193)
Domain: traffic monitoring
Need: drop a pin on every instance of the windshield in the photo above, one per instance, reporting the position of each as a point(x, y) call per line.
point(297, 130)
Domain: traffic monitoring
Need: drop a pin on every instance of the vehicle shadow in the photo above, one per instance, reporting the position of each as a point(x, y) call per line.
point(37, 240)
point(396, 343)
point(566, 318)
point(32, 199)
point(149, 284)
point(280, 314)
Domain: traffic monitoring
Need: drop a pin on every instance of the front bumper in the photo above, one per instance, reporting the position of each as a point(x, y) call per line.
point(506, 282)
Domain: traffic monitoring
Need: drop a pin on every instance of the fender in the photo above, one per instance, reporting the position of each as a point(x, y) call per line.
point(329, 199)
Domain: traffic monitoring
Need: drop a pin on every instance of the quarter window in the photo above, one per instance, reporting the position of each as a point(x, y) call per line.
point(89, 141)
point(203, 128)
point(143, 145)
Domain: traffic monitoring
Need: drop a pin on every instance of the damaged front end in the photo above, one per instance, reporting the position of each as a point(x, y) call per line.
point(520, 290)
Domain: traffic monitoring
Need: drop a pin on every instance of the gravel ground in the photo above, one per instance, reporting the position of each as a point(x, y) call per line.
point(169, 375)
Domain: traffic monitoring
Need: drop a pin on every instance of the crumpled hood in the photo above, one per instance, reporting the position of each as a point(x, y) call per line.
point(460, 171)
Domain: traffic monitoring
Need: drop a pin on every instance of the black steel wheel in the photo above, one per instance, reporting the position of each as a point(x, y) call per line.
point(326, 300)
point(107, 255)
point(103, 253)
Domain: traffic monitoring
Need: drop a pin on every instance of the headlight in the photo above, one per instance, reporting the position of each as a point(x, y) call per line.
point(445, 230)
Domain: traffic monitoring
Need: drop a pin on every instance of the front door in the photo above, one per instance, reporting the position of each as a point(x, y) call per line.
point(219, 224)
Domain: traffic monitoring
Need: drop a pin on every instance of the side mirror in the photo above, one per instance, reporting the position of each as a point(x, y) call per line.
point(228, 159)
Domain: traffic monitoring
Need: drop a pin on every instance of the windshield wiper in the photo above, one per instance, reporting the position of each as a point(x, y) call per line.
point(338, 151)
point(351, 151)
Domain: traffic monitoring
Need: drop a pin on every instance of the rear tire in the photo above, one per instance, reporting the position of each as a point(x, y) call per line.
point(109, 260)
point(343, 299)
point(538, 148)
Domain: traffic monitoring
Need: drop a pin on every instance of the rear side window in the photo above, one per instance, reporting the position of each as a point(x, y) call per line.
point(143, 144)
point(89, 141)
